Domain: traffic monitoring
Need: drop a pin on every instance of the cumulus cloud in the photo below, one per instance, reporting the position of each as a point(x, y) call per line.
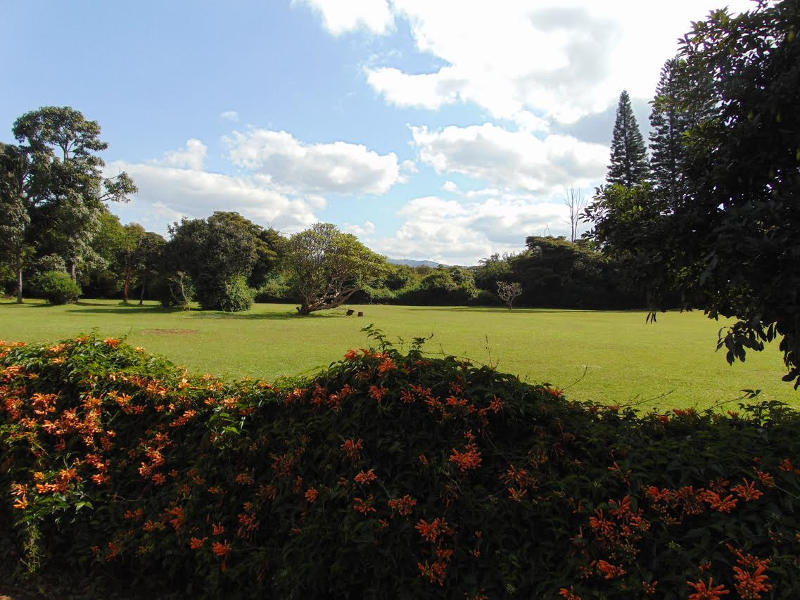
point(168, 193)
point(535, 62)
point(230, 115)
point(454, 232)
point(297, 167)
point(191, 157)
point(511, 159)
point(360, 231)
point(342, 17)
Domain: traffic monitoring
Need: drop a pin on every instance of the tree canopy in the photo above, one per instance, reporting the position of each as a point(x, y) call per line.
point(327, 267)
point(728, 241)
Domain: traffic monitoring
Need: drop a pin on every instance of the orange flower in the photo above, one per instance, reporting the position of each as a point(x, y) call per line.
point(221, 549)
point(403, 506)
point(312, 494)
point(568, 594)
point(218, 529)
point(352, 449)
point(351, 355)
point(377, 393)
point(467, 460)
point(196, 543)
point(112, 342)
point(610, 571)
point(364, 478)
point(706, 592)
point(387, 365)
point(431, 531)
point(747, 491)
point(364, 506)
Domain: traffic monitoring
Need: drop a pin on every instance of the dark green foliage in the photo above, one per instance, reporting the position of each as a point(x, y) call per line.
point(57, 287)
point(628, 152)
point(236, 295)
point(723, 234)
point(387, 476)
point(442, 286)
point(558, 273)
point(214, 252)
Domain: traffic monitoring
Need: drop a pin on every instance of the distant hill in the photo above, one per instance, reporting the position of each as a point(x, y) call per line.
point(414, 263)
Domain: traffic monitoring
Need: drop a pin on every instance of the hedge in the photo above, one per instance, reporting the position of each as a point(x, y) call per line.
point(389, 475)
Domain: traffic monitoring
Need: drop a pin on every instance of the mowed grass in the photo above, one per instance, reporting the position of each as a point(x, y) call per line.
point(605, 356)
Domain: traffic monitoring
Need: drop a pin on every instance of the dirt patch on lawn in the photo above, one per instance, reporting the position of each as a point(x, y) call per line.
point(170, 331)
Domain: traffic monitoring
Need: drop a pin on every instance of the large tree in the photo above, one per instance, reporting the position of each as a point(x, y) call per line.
point(327, 266)
point(729, 243)
point(14, 211)
point(628, 164)
point(63, 185)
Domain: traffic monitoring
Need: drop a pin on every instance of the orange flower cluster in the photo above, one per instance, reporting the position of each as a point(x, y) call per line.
point(311, 495)
point(402, 506)
point(469, 459)
point(364, 506)
point(365, 477)
point(433, 530)
point(352, 448)
point(751, 580)
point(703, 591)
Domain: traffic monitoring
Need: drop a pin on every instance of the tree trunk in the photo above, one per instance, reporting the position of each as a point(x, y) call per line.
point(141, 296)
point(19, 276)
point(72, 270)
point(126, 286)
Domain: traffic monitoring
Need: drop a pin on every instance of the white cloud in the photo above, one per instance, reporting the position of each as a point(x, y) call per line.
point(540, 60)
point(360, 231)
point(168, 193)
point(230, 115)
point(192, 157)
point(450, 186)
point(511, 159)
point(296, 167)
point(342, 16)
point(462, 233)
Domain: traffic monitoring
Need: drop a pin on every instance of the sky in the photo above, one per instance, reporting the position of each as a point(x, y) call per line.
point(446, 130)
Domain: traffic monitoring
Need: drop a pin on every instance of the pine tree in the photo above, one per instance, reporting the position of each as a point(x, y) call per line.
point(628, 152)
point(668, 124)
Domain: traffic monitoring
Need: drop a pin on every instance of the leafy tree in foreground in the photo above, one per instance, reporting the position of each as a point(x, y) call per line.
point(730, 243)
point(327, 266)
point(628, 152)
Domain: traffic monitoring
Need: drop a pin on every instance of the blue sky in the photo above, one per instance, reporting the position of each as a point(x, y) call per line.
point(432, 129)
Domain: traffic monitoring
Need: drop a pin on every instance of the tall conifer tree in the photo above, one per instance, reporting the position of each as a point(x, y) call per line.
point(628, 152)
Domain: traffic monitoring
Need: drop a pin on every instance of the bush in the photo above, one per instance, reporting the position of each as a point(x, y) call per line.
point(275, 289)
point(57, 287)
point(236, 296)
point(386, 476)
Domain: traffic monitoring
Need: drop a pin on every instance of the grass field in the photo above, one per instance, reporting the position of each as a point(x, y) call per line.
point(610, 357)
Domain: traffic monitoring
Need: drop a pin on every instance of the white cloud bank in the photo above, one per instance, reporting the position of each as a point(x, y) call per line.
point(462, 233)
point(531, 61)
point(284, 180)
point(297, 167)
point(342, 16)
point(512, 160)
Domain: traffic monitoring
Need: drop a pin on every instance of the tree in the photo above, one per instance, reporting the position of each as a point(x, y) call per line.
point(628, 165)
point(575, 203)
point(63, 186)
point(327, 266)
point(213, 252)
point(14, 210)
point(508, 292)
point(729, 244)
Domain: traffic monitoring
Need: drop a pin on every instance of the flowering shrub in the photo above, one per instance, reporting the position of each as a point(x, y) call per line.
point(388, 476)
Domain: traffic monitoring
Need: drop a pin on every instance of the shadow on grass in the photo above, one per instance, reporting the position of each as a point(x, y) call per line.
point(504, 310)
point(269, 316)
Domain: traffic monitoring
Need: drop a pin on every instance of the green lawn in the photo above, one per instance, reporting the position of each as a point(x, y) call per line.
point(611, 357)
